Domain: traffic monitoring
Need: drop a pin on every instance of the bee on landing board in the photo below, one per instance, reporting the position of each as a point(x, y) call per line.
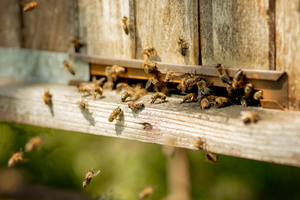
point(68, 65)
point(152, 79)
point(115, 113)
point(30, 6)
point(121, 86)
point(158, 95)
point(47, 98)
point(183, 46)
point(15, 158)
point(249, 116)
point(138, 94)
point(222, 74)
point(222, 102)
point(82, 104)
point(125, 25)
point(145, 192)
point(126, 94)
point(33, 143)
point(98, 91)
point(189, 97)
point(88, 177)
point(205, 103)
point(212, 158)
point(134, 106)
point(199, 143)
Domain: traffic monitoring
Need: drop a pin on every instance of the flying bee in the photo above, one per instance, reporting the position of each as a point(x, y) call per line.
point(258, 95)
point(183, 46)
point(199, 143)
point(222, 74)
point(152, 79)
point(33, 143)
point(136, 105)
point(149, 51)
point(82, 104)
point(98, 91)
point(115, 113)
point(108, 85)
point(126, 94)
point(77, 44)
point(121, 86)
point(158, 95)
point(205, 103)
point(249, 116)
point(212, 158)
point(138, 94)
point(88, 177)
point(244, 101)
point(117, 70)
point(98, 82)
point(149, 66)
point(68, 65)
point(30, 6)
point(145, 192)
point(47, 98)
point(238, 79)
point(125, 25)
point(15, 158)
point(189, 97)
point(222, 102)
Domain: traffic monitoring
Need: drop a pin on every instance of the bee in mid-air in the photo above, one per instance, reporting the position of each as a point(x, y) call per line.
point(88, 177)
point(149, 51)
point(200, 143)
point(205, 103)
point(125, 25)
point(82, 104)
point(115, 113)
point(98, 91)
point(126, 94)
point(149, 66)
point(30, 6)
point(222, 74)
point(33, 143)
point(189, 97)
point(258, 95)
point(68, 65)
point(138, 94)
point(136, 105)
point(152, 79)
point(145, 192)
point(77, 44)
point(158, 95)
point(108, 85)
point(238, 79)
point(212, 158)
point(121, 86)
point(183, 46)
point(249, 116)
point(222, 102)
point(47, 98)
point(15, 158)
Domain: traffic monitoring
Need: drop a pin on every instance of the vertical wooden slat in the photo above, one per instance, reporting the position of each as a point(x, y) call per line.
point(161, 22)
point(10, 24)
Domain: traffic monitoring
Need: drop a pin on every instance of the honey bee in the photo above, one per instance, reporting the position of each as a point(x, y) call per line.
point(212, 158)
point(138, 86)
point(258, 95)
point(82, 104)
point(182, 85)
point(77, 44)
point(136, 105)
point(33, 143)
point(30, 6)
point(249, 116)
point(117, 70)
point(248, 90)
point(121, 86)
point(145, 192)
point(98, 82)
point(222, 102)
point(152, 79)
point(149, 66)
point(138, 94)
point(211, 97)
point(88, 177)
point(189, 97)
point(158, 95)
point(244, 101)
point(116, 112)
point(47, 98)
point(199, 143)
point(149, 51)
point(238, 79)
point(15, 158)
point(183, 46)
point(203, 88)
point(222, 74)
point(69, 67)
point(230, 90)
point(85, 88)
point(125, 25)
point(170, 75)
point(98, 90)
point(126, 94)
point(205, 103)
point(108, 85)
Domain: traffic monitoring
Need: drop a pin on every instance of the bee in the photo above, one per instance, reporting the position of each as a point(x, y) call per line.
point(170, 75)
point(69, 67)
point(203, 88)
point(138, 86)
point(158, 95)
point(244, 101)
point(205, 103)
point(77, 44)
point(211, 97)
point(152, 79)
point(15, 158)
point(230, 90)
point(82, 104)
point(108, 85)
point(183, 46)
point(85, 88)
point(98, 90)
point(138, 94)
point(238, 79)
point(88, 177)
point(117, 70)
point(136, 105)
point(258, 95)
point(192, 81)
point(212, 158)
point(47, 98)
point(30, 6)
point(222, 102)
point(33, 143)
point(126, 94)
point(189, 97)
point(149, 51)
point(199, 143)
point(121, 86)
point(182, 85)
point(248, 90)
point(249, 116)
point(145, 192)
point(149, 66)
point(116, 112)
point(222, 74)
point(98, 82)
point(125, 25)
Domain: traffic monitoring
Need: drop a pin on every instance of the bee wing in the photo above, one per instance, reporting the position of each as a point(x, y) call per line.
point(148, 84)
point(96, 173)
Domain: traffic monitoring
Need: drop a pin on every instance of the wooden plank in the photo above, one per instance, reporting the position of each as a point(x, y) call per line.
point(10, 24)
point(287, 47)
point(50, 26)
point(243, 34)
point(103, 28)
point(161, 23)
point(275, 138)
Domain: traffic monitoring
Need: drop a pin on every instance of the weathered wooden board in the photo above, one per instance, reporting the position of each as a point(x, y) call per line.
point(10, 24)
point(243, 33)
point(160, 23)
point(275, 138)
point(50, 26)
point(288, 45)
point(103, 28)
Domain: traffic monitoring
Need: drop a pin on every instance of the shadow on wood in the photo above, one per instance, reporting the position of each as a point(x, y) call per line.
point(88, 116)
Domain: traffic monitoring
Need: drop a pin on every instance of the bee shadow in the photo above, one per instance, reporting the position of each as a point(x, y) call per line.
point(101, 97)
point(50, 106)
point(136, 113)
point(159, 102)
point(88, 116)
point(119, 126)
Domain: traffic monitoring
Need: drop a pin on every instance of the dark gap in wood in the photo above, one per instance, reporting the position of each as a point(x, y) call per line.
point(275, 36)
point(199, 32)
point(76, 24)
point(22, 35)
point(135, 28)
point(272, 33)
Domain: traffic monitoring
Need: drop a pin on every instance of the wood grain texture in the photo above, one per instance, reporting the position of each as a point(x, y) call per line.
point(102, 27)
point(275, 138)
point(287, 47)
point(10, 24)
point(243, 34)
point(161, 23)
point(50, 26)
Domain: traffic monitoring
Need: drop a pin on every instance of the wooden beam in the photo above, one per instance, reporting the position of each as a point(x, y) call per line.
point(275, 138)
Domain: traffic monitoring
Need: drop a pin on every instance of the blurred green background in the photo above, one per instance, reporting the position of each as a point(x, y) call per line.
point(128, 166)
